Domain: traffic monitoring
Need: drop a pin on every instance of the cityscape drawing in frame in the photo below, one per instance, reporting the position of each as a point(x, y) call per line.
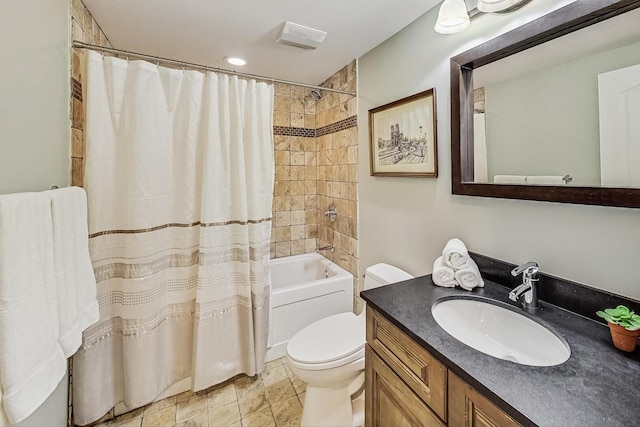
point(402, 137)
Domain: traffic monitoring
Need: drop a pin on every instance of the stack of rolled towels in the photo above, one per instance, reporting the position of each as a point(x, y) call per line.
point(456, 268)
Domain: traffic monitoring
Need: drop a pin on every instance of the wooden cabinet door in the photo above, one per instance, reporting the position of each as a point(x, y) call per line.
point(421, 372)
point(389, 402)
point(468, 408)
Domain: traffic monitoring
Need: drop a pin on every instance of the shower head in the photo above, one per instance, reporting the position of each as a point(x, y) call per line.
point(316, 93)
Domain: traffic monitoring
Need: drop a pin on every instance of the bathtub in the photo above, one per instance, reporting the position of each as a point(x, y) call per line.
point(304, 288)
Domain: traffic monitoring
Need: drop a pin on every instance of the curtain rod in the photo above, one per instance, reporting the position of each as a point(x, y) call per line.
point(81, 45)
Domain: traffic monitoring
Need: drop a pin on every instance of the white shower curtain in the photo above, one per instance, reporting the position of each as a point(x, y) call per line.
point(179, 177)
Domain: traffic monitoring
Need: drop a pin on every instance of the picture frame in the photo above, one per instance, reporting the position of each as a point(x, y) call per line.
point(403, 137)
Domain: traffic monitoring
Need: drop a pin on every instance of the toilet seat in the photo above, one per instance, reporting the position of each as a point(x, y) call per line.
point(333, 341)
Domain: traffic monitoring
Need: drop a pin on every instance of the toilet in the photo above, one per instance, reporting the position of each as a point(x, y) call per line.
point(328, 355)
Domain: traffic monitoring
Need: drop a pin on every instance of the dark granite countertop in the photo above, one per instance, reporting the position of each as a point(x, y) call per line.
point(598, 386)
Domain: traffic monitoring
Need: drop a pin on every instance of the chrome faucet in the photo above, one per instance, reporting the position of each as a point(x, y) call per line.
point(332, 213)
point(528, 287)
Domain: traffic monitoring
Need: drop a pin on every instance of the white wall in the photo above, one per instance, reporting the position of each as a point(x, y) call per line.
point(407, 221)
point(35, 149)
point(34, 121)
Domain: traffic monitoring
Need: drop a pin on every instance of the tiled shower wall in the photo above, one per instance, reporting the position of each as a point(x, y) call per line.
point(295, 192)
point(315, 156)
point(337, 137)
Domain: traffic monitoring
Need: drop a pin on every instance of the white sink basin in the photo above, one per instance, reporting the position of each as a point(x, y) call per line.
point(500, 331)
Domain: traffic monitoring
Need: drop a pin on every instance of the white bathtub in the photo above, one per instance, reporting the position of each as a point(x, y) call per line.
point(304, 288)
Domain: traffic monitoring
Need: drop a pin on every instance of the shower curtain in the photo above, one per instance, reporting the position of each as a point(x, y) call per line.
point(179, 176)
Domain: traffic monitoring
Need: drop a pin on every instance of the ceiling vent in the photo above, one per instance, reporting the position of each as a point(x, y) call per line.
point(300, 36)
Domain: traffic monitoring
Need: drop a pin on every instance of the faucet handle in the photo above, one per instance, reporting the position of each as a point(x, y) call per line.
point(332, 213)
point(528, 269)
point(528, 287)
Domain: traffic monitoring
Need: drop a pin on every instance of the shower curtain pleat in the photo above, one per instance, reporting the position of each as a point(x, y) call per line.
point(179, 178)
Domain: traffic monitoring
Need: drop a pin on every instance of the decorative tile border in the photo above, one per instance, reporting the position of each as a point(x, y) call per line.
point(76, 89)
point(290, 131)
point(314, 133)
point(347, 123)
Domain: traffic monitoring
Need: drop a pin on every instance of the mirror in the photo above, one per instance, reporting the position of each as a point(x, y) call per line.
point(535, 112)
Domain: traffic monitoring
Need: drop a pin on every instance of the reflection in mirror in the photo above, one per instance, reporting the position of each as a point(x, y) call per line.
point(566, 112)
point(589, 156)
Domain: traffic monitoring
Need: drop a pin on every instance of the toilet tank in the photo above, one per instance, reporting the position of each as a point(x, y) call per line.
point(382, 274)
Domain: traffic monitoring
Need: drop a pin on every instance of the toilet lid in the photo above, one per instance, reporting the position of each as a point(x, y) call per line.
point(332, 338)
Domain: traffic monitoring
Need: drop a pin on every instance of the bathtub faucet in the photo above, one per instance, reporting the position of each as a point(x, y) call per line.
point(324, 248)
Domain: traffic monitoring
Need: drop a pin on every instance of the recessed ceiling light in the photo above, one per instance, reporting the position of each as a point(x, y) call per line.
point(233, 60)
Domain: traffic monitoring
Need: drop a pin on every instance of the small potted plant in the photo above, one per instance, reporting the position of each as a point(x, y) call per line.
point(624, 325)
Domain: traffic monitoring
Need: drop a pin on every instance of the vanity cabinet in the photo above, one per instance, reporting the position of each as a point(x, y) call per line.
point(389, 402)
point(407, 386)
point(469, 408)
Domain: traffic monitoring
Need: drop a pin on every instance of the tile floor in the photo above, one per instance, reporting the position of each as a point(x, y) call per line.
point(271, 399)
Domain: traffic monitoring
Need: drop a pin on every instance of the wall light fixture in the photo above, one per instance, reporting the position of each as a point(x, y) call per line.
point(499, 5)
point(452, 17)
point(455, 15)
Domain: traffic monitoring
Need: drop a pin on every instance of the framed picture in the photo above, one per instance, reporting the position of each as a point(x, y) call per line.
point(402, 137)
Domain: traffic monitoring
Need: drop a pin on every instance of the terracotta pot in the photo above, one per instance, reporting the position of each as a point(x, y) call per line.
point(623, 339)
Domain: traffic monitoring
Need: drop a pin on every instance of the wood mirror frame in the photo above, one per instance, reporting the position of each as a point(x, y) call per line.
point(570, 18)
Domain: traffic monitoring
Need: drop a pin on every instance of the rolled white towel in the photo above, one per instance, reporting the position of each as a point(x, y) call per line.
point(443, 275)
point(455, 254)
point(469, 277)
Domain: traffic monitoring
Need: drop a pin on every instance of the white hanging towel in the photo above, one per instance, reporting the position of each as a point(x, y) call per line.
point(443, 275)
point(455, 254)
point(76, 283)
point(469, 276)
point(31, 360)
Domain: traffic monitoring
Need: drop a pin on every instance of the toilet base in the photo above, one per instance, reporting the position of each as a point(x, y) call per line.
point(333, 406)
point(358, 409)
